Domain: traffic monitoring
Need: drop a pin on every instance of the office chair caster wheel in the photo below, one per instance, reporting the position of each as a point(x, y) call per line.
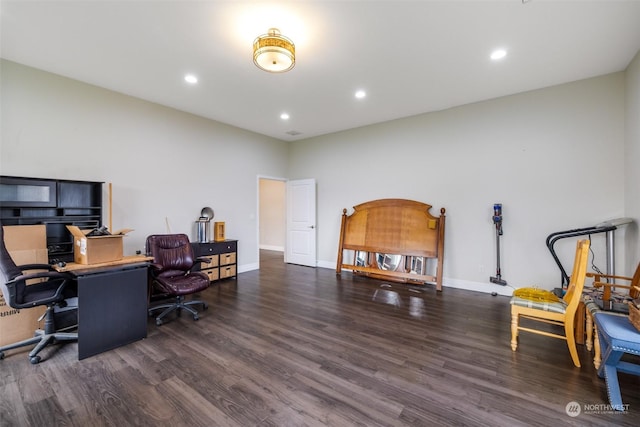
point(205, 306)
point(1, 356)
point(158, 322)
point(34, 360)
point(196, 318)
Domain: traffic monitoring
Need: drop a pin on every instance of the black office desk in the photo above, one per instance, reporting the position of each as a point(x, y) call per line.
point(112, 304)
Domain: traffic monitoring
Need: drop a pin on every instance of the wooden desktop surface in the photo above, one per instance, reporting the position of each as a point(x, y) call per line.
point(125, 261)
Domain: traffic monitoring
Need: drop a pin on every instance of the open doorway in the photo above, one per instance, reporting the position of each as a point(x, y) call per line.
point(272, 207)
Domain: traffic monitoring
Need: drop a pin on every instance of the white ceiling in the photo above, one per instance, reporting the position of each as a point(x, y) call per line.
point(411, 57)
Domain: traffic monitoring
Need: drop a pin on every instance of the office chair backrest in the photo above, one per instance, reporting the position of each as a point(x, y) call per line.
point(171, 251)
point(8, 272)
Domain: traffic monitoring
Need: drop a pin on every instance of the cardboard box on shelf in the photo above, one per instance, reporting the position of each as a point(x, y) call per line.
point(96, 249)
point(27, 244)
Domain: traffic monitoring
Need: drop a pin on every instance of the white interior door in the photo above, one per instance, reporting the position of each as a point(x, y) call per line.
point(301, 222)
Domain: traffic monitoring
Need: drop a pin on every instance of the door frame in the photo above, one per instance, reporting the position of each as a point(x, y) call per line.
point(271, 178)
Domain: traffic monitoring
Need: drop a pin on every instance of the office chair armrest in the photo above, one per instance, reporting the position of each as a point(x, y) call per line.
point(156, 266)
point(198, 263)
point(27, 267)
point(43, 274)
point(64, 279)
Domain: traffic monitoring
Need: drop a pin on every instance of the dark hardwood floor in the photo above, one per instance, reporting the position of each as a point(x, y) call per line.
point(295, 346)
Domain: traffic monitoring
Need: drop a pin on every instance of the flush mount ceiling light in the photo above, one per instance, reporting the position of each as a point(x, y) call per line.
point(273, 52)
point(498, 54)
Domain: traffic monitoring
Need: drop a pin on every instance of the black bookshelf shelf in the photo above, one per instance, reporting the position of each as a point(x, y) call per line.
point(55, 203)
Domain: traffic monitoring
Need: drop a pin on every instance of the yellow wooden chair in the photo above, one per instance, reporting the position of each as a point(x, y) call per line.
point(560, 313)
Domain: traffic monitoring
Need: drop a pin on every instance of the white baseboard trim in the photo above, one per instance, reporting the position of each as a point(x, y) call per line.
point(248, 267)
point(272, 248)
point(327, 264)
point(468, 285)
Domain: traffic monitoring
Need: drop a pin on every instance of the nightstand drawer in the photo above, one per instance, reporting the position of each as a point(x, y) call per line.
point(212, 273)
point(228, 258)
point(228, 271)
point(229, 246)
point(213, 263)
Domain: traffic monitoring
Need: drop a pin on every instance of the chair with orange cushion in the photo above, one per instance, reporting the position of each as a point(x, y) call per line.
point(561, 313)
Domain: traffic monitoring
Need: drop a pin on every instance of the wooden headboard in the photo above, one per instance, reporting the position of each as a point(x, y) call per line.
point(403, 228)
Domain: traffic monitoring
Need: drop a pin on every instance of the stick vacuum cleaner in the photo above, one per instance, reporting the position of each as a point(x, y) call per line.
point(497, 221)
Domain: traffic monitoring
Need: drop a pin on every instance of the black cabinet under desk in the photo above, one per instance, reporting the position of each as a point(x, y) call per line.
point(112, 309)
point(112, 303)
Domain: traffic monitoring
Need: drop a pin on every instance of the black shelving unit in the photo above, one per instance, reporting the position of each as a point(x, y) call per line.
point(55, 203)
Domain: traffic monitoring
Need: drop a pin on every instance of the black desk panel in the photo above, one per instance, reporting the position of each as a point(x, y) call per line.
point(112, 308)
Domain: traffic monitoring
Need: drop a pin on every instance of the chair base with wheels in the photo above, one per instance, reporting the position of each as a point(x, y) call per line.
point(177, 306)
point(42, 338)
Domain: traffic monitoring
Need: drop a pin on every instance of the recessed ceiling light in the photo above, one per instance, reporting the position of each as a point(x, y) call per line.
point(361, 94)
point(498, 54)
point(190, 78)
point(284, 116)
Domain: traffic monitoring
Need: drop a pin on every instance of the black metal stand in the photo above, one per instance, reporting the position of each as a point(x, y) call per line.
point(554, 237)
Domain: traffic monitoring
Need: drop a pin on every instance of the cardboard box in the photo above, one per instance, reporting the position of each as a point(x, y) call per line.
point(27, 244)
point(96, 249)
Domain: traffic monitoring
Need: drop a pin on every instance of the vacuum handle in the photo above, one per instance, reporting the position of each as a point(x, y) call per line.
point(497, 217)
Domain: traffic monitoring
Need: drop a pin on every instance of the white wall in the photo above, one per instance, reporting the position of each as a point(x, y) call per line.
point(542, 154)
point(165, 165)
point(632, 162)
point(547, 155)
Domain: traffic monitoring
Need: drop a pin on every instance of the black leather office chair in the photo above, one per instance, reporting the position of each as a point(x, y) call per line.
point(172, 273)
point(53, 291)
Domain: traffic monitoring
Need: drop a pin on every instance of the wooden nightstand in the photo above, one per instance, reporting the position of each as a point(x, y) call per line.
point(223, 256)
